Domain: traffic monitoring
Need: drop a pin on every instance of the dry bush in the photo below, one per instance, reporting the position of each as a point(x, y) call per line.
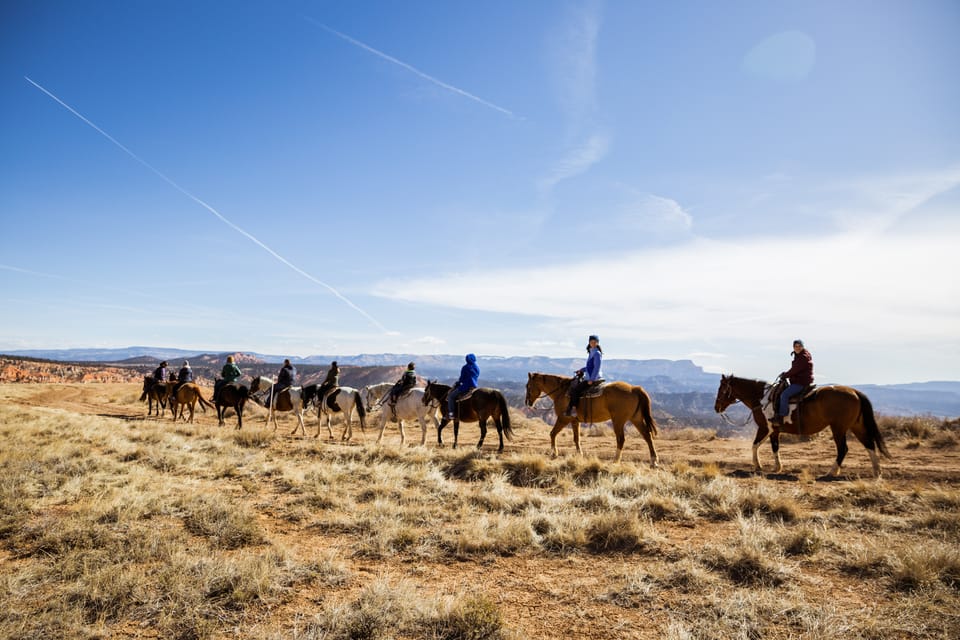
point(225, 525)
point(254, 438)
point(471, 467)
point(746, 565)
point(529, 470)
point(688, 434)
point(473, 617)
point(804, 540)
point(619, 533)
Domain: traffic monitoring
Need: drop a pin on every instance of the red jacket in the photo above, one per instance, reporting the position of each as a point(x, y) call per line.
point(801, 371)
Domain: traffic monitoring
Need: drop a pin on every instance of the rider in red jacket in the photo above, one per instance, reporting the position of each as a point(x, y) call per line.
point(800, 376)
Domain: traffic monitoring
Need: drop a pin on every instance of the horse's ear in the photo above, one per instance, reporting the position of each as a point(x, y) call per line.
point(529, 375)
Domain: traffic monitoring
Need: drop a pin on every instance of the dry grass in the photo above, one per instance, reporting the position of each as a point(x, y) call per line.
point(117, 528)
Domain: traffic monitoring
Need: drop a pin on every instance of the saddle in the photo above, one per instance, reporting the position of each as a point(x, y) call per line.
point(332, 399)
point(595, 389)
point(467, 395)
point(805, 393)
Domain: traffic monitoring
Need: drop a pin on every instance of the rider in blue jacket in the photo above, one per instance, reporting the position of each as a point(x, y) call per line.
point(588, 376)
point(469, 377)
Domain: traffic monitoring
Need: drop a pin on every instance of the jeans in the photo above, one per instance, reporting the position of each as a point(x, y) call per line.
point(788, 393)
point(455, 393)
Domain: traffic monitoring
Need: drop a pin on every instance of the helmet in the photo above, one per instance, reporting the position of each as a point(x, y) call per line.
point(186, 364)
point(411, 366)
point(163, 364)
point(593, 337)
point(230, 359)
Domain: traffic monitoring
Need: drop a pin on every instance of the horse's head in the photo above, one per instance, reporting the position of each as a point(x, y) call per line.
point(428, 392)
point(534, 388)
point(725, 394)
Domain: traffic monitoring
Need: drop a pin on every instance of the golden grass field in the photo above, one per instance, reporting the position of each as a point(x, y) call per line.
point(113, 525)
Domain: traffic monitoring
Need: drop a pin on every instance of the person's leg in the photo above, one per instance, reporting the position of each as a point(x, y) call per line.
point(788, 393)
point(575, 393)
point(452, 401)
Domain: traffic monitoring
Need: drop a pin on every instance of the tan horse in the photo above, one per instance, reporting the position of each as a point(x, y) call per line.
point(188, 395)
point(619, 402)
point(842, 409)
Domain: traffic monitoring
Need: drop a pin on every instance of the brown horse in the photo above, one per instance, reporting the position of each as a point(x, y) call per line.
point(479, 407)
point(232, 395)
point(618, 402)
point(842, 409)
point(154, 391)
point(187, 396)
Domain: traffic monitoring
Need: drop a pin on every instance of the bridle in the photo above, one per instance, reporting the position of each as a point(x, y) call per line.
point(546, 393)
point(728, 395)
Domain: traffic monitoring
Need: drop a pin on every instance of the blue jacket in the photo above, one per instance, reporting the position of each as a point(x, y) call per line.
point(592, 370)
point(469, 374)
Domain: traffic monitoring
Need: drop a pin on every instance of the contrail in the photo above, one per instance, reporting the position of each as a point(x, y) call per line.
point(412, 69)
point(209, 208)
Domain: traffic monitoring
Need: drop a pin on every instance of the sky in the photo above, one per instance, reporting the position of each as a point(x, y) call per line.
point(690, 180)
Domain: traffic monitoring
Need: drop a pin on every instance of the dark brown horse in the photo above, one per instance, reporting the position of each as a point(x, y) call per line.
point(483, 405)
point(843, 409)
point(618, 402)
point(154, 391)
point(232, 395)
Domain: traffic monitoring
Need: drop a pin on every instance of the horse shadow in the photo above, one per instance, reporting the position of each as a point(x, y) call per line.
point(742, 474)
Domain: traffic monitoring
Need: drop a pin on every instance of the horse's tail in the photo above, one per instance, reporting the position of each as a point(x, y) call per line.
point(505, 416)
point(204, 401)
point(143, 396)
point(643, 407)
point(358, 401)
point(870, 425)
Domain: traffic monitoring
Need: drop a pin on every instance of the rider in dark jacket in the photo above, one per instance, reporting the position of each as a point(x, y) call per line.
point(800, 375)
point(405, 383)
point(469, 379)
point(588, 376)
point(186, 373)
point(287, 376)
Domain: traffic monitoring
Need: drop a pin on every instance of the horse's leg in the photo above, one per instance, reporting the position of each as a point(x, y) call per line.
point(483, 433)
point(498, 422)
point(775, 445)
point(303, 427)
point(403, 436)
point(440, 426)
point(329, 419)
point(762, 432)
point(840, 439)
point(648, 437)
point(423, 429)
point(239, 409)
point(456, 432)
point(860, 432)
point(557, 428)
point(383, 425)
point(621, 440)
point(576, 436)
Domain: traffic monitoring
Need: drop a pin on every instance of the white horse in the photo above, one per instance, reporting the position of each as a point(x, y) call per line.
point(375, 394)
point(288, 400)
point(347, 399)
point(408, 407)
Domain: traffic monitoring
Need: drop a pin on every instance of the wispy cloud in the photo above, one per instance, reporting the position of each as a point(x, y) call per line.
point(576, 161)
point(573, 53)
point(211, 209)
point(412, 69)
point(655, 213)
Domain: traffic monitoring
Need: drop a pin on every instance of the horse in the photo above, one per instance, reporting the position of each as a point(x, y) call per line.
point(187, 396)
point(154, 391)
point(232, 395)
point(409, 406)
point(286, 400)
point(375, 394)
point(618, 402)
point(479, 407)
point(841, 408)
point(340, 400)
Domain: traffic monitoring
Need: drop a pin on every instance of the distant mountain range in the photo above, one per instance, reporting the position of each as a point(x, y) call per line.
point(684, 390)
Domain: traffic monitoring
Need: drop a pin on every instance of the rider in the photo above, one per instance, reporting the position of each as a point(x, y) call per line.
point(800, 376)
point(160, 373)
point(405, 383)
point(331, 382)
point(587, 376)
point(469, 375)
point(183, 377)
point(228, 375)
point(286, 378)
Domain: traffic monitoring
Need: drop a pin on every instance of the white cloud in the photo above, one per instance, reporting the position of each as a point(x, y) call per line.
point(756, 290)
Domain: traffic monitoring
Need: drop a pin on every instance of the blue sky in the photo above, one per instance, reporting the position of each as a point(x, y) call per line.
point(689, 180)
